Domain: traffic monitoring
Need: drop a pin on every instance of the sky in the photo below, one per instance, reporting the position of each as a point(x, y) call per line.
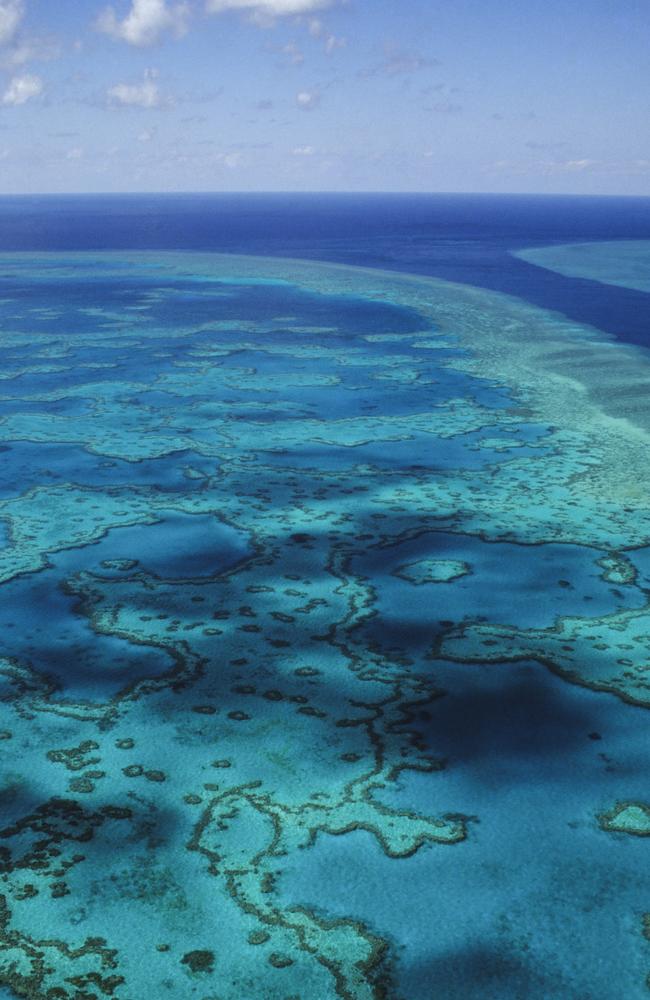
point(325, 95)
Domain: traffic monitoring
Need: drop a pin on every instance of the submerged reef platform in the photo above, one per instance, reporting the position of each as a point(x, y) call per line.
point(324, 669)
point(625, 263)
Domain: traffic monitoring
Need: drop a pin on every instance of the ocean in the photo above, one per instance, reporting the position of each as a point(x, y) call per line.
point(464, 238)
point(324, 575)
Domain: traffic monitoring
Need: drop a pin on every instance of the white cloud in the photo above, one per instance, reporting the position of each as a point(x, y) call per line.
point(147, 135)
point(22, 88)
point(22, 51)
point(307, 100)
point(138, 95)
point(75, 153)
point(332, 42)
point(231, 160)
point(304, 151)
point(145, 23)
point(11, 14)
point(565, 166)
point(264, 11)
point(16, 49)
point(577, 164)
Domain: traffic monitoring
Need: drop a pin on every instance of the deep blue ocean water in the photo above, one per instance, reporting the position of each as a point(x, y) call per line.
point(317, 644)
point(465, 238)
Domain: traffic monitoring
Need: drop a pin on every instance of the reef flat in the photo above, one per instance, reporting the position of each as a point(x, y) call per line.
point(625, 263)
point(268, 527)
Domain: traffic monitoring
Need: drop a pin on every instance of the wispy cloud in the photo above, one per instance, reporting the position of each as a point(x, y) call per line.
point(318, 30)
point(445, 108)
point(545, 146)
point(230, 160)
point(303, 151)
point(547, 167)
point(145, 23)
point(21, 89)
point(15, 48)
point(293, 54)
point(11, 15)
point(399, 62)
point(139, 95)
point(264, 12)
point(572, 165)
point(22, 51)
point(307, 100)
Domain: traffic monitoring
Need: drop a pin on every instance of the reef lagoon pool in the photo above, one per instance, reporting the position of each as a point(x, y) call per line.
point(325, 658)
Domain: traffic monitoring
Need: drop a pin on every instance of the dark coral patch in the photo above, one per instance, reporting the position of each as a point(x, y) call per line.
point(200, 961)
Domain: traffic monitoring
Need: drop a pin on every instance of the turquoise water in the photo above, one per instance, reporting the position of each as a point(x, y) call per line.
point(623, 263)
point(538, 901)
point(325, 628)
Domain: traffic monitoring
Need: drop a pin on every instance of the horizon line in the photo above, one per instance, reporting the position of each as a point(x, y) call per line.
point(320, 193)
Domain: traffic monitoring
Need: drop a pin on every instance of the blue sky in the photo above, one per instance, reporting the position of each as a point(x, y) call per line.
point(410, 95)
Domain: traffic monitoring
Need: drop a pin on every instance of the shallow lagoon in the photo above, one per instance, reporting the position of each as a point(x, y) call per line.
point(258, 516)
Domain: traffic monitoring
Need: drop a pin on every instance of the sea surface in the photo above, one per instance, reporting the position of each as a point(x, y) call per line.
point(324, 597)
